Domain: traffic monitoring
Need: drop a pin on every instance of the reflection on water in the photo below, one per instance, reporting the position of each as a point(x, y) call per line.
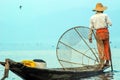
point(104, 76)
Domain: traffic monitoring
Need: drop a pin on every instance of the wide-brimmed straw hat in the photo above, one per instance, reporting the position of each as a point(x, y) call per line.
point(99, 7)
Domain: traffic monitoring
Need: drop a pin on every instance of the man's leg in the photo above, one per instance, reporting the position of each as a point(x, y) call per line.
point(107, 51)
point(100, 47)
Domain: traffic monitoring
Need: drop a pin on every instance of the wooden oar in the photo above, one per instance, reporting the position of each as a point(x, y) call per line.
point(111, 60)
point(109, 48)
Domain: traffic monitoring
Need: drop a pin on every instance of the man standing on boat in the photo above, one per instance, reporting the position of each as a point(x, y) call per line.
point(99, 22)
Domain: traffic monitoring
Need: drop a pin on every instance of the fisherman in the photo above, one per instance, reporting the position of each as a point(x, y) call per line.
point(99, 22)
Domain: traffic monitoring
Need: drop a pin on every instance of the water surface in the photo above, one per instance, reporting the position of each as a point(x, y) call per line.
point(50, 57)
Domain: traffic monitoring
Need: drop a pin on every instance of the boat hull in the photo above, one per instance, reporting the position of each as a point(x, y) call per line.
point(28, 73)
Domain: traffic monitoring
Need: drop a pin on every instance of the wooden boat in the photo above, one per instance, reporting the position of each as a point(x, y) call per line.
point(78, 58)
point(29, 73)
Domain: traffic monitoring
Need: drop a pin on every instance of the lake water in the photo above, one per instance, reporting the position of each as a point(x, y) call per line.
point(50, 57)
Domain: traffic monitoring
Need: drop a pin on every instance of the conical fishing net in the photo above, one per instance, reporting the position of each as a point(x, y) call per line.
point(75, 50)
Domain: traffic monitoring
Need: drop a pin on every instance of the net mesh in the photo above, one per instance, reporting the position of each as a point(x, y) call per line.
point(74, 50)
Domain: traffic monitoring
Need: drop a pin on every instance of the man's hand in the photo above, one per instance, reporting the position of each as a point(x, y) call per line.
point(90, 40)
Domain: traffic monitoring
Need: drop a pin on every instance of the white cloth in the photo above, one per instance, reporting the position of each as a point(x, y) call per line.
point(97, 21)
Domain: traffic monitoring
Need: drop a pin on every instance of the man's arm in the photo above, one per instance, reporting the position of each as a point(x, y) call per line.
point(90, 35)
point(108, 21)
point(90, 31)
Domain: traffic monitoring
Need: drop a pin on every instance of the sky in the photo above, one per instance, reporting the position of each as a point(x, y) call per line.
point(39, 23)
